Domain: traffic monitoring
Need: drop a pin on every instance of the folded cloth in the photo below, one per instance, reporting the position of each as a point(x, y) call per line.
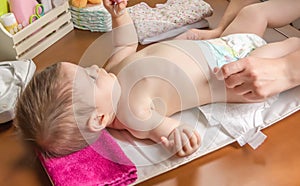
point(102, 163)
point(150, 22)
point(203, 23)
point(14, 76)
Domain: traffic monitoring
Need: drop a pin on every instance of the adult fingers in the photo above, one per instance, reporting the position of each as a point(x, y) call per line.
point(242, 89)
point(233, 68)
point(252, 96)
point(219, 74)
point(235, 80)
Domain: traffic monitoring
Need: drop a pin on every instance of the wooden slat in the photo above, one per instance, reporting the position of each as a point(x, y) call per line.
point(43, 45)
point(289, 31)
point(25, 44)
point(42, 33)
point(48, 17)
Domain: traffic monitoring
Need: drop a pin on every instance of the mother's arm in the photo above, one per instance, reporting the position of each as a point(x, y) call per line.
point(269, 70)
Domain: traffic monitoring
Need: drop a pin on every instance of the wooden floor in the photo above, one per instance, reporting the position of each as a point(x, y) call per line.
point(276, 162)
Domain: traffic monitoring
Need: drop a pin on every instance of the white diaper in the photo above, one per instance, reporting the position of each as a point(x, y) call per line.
point(230, 48)
point(243, 122)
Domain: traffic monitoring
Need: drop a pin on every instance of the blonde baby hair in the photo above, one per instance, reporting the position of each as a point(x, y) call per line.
point(45, 114)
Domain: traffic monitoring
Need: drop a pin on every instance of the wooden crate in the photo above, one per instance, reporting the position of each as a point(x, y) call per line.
point(36, 37)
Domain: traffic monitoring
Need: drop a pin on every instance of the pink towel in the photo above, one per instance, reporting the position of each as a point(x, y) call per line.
point(102, 163)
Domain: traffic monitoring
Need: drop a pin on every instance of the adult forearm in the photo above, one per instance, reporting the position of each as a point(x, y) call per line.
point(267, 71)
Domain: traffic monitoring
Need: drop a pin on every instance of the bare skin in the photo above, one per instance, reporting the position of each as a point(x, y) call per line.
point(154, 83)
point(258, 77)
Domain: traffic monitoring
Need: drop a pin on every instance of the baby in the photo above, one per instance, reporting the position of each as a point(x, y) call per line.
point(64, 108)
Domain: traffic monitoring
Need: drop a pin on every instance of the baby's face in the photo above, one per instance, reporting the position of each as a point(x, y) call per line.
point(95, 86)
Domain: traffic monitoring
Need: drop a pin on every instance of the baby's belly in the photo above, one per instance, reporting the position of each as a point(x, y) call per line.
point(185, 76)
point(171, 56)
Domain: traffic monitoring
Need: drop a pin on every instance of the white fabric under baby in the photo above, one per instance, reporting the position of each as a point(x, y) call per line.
point(243, 122)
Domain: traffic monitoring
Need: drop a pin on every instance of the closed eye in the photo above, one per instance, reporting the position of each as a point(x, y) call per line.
point(92, 76)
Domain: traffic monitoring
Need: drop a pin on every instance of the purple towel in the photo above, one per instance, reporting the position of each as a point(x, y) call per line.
point(102, 163)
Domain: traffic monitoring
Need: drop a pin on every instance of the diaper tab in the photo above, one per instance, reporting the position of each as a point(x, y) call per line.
point(254, 137)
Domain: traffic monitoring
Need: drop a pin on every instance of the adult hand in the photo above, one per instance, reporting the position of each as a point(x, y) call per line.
point(183, 140)
point(255, 78)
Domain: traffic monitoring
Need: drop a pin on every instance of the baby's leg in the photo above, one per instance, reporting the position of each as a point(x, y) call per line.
point(277, 49)
point(257, 17)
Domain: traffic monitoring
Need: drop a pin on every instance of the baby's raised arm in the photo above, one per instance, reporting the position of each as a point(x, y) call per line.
point(124, 37)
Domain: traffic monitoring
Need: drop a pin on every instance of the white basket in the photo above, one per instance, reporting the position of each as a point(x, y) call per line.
point(36, 37)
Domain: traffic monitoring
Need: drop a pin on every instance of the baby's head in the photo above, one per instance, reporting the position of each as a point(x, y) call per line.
point(58, 110)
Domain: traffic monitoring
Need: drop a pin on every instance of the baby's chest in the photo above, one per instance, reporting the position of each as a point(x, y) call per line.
point(138, 114)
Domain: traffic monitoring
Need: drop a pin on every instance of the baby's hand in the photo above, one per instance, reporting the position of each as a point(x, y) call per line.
point(115, 7)
point(183, 140)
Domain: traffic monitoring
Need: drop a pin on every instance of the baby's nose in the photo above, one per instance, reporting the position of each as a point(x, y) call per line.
point(95, 67)
point(93, 71)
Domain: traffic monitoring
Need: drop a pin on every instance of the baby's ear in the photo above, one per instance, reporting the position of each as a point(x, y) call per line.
point(96, 122)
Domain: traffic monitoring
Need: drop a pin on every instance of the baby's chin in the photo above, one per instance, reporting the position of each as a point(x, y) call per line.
point(116, 95)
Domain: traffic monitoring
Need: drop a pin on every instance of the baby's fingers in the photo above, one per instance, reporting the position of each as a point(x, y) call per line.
point(119, 7)
point(194, 137)
point(122, 4)
point(190, 141)
point(178, 141)
point(186, 148)
point(167, 143)
point(198, 138)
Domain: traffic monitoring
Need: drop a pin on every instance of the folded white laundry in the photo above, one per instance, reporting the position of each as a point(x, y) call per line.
point(203, 23)
point(14, 76)
point(173, 14)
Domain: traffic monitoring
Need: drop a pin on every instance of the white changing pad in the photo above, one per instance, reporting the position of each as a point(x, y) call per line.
point(152, 160)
